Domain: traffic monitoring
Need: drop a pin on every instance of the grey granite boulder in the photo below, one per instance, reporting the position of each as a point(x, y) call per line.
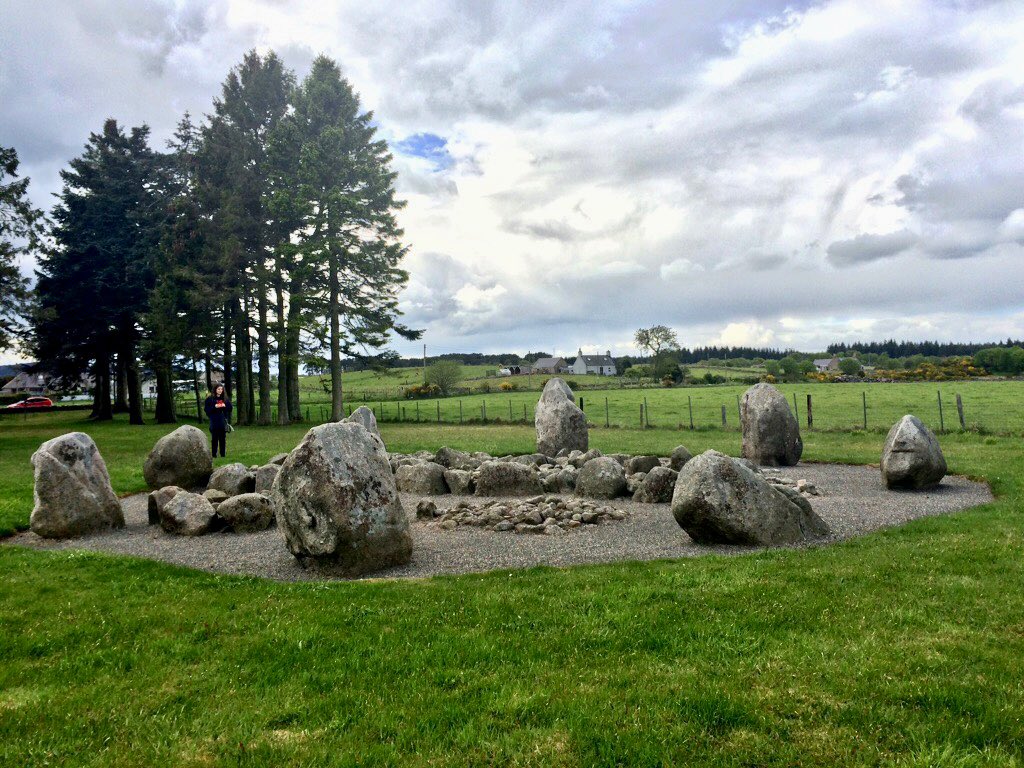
point(459, 481)
point(189, 514)
point(636, 464)
point(912, 457)
point(657, 486)
point(601, 478)
point(771, 435)
point(718, 500)
point(247, 512)
point(72, 491)
point(156, 500)
point(561, 425)
point(680, 455)
point(507, 478)
point(363, 415)
point(233, 479)
point(265, 477)
point(180, 458)
point(337, 504)
point(450, 458)
point(425, 479)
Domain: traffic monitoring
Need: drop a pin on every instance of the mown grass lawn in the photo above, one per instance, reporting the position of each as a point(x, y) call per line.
point(905, 647)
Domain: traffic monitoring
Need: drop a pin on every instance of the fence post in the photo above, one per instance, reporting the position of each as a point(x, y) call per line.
point(438, 411)
point(960, 411)
point(796, 409)
point(510, 410)
point(483, 410)
point(403, 413)
point(810, 414)
point(942, 423)
point(417, 411)
point(864, 400)
point(581, 403)
point(606, 412)
point(689, 404)
point(739, 411)
point(723, 417)
point(647, 414)
point(460, 411)
point(524, 413)
point(641, 415)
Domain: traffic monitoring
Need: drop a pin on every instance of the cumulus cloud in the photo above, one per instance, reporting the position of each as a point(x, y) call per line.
point(576, 170)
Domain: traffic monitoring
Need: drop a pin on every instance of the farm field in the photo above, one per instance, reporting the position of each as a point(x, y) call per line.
point(901, 648)
point(989, 406)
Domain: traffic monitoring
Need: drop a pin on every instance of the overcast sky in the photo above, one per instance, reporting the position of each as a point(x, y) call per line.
point(761, 173)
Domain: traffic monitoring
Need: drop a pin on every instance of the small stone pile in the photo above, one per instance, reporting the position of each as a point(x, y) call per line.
point(548, 515)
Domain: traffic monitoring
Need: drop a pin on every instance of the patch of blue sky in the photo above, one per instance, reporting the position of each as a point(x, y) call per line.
point(429, 146)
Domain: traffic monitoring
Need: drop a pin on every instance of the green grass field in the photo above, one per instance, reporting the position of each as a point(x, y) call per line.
point(902, 648)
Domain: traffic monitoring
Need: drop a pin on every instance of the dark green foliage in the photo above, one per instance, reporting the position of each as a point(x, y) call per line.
point(21, 231)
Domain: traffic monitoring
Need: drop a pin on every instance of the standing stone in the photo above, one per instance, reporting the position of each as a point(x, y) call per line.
point(157, 499)
point(601, 478)
point(363, 415)
point(561, 425)
point(718, 500)
point(771, 435)
point(247, 512)
point(72, 490)
point(425, 479)
point(680, 455)
point(912, 457)
point(180, 458)
point(233, 479)
point(657, 487)
point(337, 504)
point(189, 514)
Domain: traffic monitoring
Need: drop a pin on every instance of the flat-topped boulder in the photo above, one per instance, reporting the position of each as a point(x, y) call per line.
point(247, 512)
point(233, 479)
point(189, 514)
point(425, 479)
point(506, 478)
point(718, 500)
point(912, 458)
point(561, 425)
point(72, 490)
point(601, 478)
point(180, 458)
point(771, 435)
point(337, 503)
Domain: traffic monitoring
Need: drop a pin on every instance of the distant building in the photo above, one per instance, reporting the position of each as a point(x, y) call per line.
point(550, 365)
point(515, 369)
point(827, 365)
point(602, 365)
point(26, 383)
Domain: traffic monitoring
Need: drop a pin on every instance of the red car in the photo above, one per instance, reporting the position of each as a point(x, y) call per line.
point(33, 402)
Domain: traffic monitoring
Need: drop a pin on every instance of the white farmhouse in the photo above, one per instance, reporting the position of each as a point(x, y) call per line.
point(602, 365)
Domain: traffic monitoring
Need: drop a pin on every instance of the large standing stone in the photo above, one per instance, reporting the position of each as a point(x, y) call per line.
point(507, 478)
point(73, 495)
point(771, 435)
point(157, 499)
point(337, 504)
point(718, 500)
point(425, 479)
point(912, 457)
point(180, 458)
point(363, 415)
point(657, 486)
point(247, 512)
point(233, 479)
point(561, 425)
point(601, 478)
point(189, 514)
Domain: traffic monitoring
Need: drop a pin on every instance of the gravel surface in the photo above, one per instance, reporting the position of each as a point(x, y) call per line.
point(853, 501)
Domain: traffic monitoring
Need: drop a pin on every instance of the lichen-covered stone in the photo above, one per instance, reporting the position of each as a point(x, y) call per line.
point(180, 458)
point(771, 435)
point(912, 457)
point(561, 425)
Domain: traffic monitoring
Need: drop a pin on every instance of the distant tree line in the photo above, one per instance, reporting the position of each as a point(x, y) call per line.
point(264, 238)
point(895, 349)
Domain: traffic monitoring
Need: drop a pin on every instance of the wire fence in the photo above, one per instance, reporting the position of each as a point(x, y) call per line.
point(982, 407)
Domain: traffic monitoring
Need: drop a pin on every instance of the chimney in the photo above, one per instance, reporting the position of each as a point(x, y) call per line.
point(608, 353)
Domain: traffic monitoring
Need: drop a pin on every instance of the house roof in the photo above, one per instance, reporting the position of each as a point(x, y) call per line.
point(597, 360)
point(25, 380)
point(549, 362)
point(826, 360)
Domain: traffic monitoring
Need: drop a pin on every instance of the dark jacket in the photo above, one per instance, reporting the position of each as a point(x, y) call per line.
point(219, 417)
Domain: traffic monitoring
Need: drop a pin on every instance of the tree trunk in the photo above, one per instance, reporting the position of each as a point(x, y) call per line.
point(195, 387)
point(263, 341)
point(294, 326)
point(164, 391)
point(121, 387)
point(337, 409)
point(227, 351)
point(208, 363)
point(243, 362)
point(101, 409)
point(282, 354)
point(134, 384)
point(250, 411)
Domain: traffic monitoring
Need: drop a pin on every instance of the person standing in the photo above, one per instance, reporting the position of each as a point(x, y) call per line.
point(218, 410)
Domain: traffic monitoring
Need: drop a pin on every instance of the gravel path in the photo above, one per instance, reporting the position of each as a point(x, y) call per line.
point(853, 502)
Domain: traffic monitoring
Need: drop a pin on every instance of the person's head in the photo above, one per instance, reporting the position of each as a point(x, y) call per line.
point(218, 391)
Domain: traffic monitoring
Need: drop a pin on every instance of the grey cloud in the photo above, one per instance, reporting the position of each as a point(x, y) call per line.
point(867, 247)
